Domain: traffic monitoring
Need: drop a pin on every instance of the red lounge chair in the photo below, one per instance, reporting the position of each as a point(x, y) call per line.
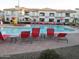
point(1, 37)
point(35, 32)
point(54, 23)
point(62, 36)
point(50, 23)
point(41, 23)
point(47, 22)
point(32, 22)
point(25, 34)
point(50, 32)
point(6, 36)
point(38, 22)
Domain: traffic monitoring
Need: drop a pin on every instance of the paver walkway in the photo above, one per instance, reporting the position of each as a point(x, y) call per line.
point(12, 48)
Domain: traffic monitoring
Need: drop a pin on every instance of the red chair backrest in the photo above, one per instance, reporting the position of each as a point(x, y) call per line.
point(35, 32)
point(25, 34)
point(50, 31)
point(1, 37)
point(62, 34)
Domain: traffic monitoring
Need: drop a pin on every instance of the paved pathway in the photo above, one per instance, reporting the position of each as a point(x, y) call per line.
point(12, 48)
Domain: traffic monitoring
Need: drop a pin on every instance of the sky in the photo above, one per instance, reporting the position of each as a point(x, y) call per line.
point(54, 4)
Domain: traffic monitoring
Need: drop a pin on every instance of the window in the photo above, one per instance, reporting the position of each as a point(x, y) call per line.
point(21, 20)
point(58, 21)
point(26, 19)
point(51, 20)
point(42, 19)
point(34, 20)
point(42, 14)
point(26, 13)
point(67, 14)
point(66, 20)
point(51, 14)
point(59, 14)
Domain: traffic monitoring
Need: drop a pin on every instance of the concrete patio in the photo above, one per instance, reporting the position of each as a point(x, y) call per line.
point(18, 48)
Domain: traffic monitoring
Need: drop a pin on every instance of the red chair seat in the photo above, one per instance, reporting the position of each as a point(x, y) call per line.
point(50, 32)
point(35, 32)
point(25, 34)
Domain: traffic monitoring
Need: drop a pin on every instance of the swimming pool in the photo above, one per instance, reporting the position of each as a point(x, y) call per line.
point(43, 29)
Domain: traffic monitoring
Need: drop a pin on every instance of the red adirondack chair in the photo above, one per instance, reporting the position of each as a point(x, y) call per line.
point(62, 36)
point(1, 37)
point(35, 32)
point(25, 35)
point(50, 32)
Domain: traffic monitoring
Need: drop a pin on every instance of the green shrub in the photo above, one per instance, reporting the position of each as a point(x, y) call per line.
point(49, 54)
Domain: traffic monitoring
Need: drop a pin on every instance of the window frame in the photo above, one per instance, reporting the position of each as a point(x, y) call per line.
point(67, 14)
point(51, 14)
point(42, 14)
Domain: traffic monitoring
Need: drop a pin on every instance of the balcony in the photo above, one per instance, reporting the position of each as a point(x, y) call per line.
point(67, 14)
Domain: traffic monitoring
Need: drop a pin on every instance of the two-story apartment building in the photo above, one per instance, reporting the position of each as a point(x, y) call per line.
point(38, 15)
point(51, 15)
point(12, 12)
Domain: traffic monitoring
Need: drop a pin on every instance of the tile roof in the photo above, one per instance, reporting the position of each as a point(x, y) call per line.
point(43, 9)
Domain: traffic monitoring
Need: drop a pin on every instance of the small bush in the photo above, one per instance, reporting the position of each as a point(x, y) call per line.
point(49, 54)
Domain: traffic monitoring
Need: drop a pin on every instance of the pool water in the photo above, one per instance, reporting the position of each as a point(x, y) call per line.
point(43, 29)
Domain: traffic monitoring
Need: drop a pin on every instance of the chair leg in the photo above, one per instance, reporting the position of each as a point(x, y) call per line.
point(62, 39)
point(66, 39)
point(51, 37)
point(43, 36)
point(31, 40)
